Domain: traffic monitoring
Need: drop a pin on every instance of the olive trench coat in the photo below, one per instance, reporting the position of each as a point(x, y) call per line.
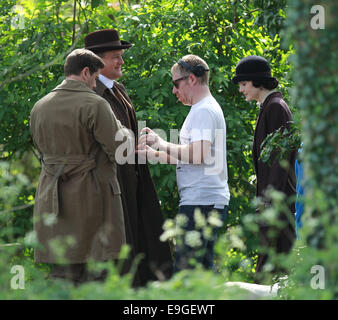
point(274, 114)
point(142, 211)
point(78, 212)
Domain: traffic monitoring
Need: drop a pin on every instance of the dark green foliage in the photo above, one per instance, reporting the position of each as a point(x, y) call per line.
point(318, 102)
point(282, 141)
point(315, 94)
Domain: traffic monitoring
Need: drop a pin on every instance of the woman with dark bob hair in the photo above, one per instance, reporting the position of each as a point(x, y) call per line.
point(253, 74)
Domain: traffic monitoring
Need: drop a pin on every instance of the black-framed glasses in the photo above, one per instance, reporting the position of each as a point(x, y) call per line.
point(177, 81)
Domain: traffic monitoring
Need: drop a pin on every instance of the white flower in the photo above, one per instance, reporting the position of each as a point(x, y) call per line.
point(168, 224)
point(214, 219)
point(193, 239)
point(207, 232)
point(199, 218)
point(168, 234)
point(181, 220)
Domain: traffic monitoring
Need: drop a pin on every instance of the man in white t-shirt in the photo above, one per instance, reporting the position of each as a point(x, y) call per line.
point(200, 157)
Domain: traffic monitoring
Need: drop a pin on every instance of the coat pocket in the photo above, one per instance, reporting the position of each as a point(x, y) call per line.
point(115, 187)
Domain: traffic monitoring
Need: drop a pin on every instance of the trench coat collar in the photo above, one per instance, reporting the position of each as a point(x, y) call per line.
point(73, 85)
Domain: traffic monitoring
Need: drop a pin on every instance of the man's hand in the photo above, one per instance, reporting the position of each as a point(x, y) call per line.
point(154, 156)
point(195, 152)
point(150, 138)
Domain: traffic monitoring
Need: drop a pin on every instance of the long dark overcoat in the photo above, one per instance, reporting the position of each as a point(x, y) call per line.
point(142, 211)
point(274, 114)
point(78, 210)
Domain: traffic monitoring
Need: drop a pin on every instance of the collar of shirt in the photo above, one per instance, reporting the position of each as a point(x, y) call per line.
point(106, 81)
point(264, 98)
point(195, 105)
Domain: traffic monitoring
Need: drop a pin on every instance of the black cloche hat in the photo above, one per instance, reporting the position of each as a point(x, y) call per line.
point(252, 68)
point(105, 40)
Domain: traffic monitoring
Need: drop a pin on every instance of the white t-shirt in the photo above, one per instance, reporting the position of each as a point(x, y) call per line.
point(206, 183)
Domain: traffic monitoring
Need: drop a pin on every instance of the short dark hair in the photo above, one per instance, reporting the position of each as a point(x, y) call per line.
point(78, 59)
point(192, 60)
point(265, 83)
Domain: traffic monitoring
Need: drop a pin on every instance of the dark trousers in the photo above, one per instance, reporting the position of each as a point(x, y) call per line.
point(203, 253)
point(279, 240)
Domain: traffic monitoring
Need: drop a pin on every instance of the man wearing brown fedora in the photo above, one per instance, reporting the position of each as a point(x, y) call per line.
point(142, 211)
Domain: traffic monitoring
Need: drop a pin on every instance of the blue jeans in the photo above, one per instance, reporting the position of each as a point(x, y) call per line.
point(204, 253)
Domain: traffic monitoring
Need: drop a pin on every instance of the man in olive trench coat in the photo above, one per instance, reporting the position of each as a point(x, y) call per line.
point(142, 211)
point(78, 213)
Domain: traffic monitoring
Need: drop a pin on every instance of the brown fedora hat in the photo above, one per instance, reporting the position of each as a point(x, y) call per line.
point(105, 40)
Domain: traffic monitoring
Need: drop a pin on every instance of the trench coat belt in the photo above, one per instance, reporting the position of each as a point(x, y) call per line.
point(84, 163)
